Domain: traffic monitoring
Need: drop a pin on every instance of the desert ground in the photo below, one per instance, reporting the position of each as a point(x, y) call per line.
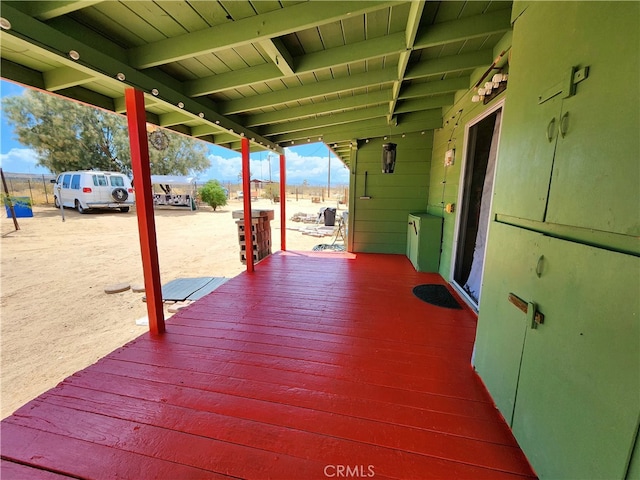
point(55, 317)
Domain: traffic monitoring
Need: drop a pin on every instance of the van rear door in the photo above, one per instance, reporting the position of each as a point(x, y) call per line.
point(119, 188)
point(100, 188)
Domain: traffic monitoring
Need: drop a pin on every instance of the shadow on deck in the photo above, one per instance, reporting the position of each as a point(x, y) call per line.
point(315, 366)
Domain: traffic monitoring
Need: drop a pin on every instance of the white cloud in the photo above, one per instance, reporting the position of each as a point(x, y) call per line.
point(313, 169)
point(21, 160)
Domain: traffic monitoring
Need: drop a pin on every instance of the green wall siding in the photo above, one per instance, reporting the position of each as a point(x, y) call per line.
point(380, 224)
point(445, 181)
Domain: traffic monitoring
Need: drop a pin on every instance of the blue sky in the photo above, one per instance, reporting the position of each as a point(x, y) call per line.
point(306, 162)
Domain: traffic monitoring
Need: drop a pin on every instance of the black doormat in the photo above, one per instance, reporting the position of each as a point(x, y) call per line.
point(437, 295)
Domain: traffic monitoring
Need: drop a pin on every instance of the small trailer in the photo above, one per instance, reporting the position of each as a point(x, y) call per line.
point(174, 191)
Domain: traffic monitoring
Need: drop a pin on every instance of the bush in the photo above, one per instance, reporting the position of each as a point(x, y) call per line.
point(214, 194)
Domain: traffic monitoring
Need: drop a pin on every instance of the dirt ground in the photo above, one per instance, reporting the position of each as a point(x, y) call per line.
point(55, 317)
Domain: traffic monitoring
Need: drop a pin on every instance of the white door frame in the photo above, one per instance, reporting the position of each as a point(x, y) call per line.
point(463, 171)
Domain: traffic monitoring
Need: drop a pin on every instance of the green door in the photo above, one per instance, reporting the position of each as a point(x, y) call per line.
point(596, 173)
point(529, 128)
point(512, 254)
point(578, 396)
point(412, 239)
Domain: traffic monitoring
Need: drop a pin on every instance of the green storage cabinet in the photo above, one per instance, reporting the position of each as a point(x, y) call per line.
point(424, 238)
point(569, 155)
point(567, 172)
point(569, 388)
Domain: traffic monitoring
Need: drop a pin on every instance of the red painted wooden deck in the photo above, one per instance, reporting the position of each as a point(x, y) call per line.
point(315, 366)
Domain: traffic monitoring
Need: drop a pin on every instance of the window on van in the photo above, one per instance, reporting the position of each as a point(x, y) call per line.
point(75, 182)
point(66, 181)
point(116, 181)
point(99, 181)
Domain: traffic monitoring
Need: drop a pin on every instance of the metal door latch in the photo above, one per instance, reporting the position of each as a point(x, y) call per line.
point(534, 317)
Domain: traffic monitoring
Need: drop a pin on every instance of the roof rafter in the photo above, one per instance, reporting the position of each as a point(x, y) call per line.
point(413, 22)
point(451, 63)
point(326, 87)
point(248, 30)
point(324, 121)
point(434, 88)
point(340, 104)
point(66, 77)
point(464, 29)
point(279, 55)
point(377, 127)
point(48, 9)
point(332, 57)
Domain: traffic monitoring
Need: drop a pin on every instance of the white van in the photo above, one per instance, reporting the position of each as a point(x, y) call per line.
point(90, 189)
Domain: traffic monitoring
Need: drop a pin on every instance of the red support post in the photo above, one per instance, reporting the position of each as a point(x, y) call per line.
point(144, 208)
point(283, 203)
point(246, 194)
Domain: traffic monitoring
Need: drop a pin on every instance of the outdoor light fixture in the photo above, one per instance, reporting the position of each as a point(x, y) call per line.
point(155, 92)
point(201, 114)
point(74, 55)
point(5, 24)
point(121, 76)
point(180, 105)
point(491, 89)
point(388, 157)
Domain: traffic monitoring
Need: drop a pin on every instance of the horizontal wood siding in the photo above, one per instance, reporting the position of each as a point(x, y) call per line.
point(445, 181)
point(380, 223)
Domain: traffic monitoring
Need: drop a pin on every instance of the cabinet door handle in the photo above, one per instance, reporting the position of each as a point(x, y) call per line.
point(550, 129)
point(564, 124)
point(529, 308)
point(539, 266)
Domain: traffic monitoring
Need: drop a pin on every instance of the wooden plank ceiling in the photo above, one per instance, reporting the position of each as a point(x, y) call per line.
point(279, 72)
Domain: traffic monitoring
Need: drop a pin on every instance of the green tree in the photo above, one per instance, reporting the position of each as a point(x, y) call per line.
point(69, 136)
point(213, 193)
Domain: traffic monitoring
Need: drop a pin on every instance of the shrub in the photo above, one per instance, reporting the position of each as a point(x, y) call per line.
point(213, 194)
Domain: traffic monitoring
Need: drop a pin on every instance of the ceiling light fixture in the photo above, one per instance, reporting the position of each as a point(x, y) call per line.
point(155, 92)
point(121, 76)
point(5, 24)
point(201, 114)
point(180, 105)
point(74, 55)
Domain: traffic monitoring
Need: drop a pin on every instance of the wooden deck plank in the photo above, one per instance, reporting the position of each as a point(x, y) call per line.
point(85, 459)
point(181, 415)
point(241, 364)
point(321, 420)
point(17, 471)
point(290, 382)
point(312, 360)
